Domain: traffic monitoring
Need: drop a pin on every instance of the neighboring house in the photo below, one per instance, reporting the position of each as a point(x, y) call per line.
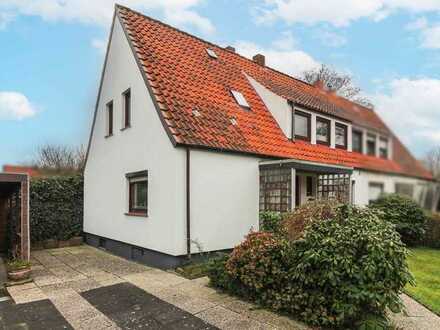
point(190, 140)
point(32, 171)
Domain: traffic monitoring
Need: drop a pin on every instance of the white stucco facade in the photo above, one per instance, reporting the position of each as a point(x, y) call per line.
point(224, 198)
point(143, 146)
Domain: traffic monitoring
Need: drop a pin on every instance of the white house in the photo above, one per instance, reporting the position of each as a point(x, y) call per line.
point(190, 140)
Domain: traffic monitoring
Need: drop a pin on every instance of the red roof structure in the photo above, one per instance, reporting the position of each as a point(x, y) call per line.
point(182, 78)
point(17, 169)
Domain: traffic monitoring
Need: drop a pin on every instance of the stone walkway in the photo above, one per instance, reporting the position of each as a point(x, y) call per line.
point(74, 278)
point(93, 289)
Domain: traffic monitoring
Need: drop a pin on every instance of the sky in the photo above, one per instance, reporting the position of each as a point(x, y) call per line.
point(52, 52)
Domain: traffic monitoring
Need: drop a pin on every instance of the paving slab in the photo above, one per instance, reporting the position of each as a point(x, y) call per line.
point(131, 307)
point(39, 315)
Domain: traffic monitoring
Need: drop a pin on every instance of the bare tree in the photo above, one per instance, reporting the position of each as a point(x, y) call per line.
point(338, 82)
point(60, 158)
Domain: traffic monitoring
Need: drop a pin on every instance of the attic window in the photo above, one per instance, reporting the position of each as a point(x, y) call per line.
point(233, 121)
point(211, 53)
point(239, 98)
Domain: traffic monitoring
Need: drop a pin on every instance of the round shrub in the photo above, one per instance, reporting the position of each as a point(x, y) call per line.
point(347, 264)
point(408, 217)
point(346, 267)
point(258, 264)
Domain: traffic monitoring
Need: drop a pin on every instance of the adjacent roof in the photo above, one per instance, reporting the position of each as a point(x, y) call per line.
point(183, 81)
point(17, 169)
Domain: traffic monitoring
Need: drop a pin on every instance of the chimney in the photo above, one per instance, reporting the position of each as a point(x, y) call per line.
point(231, 49)
point(259, 59)
point(321, 85)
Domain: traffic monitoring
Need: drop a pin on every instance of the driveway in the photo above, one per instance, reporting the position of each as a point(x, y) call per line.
point(87, 288)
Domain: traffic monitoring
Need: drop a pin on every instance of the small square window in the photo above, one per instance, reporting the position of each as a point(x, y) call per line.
point(302, 125)
point(322, 131)
point(138, 193)
point(126, 96)
point(109, 115)
point(239, 98)
point(341, 136)
point(375, 190)
point(211, 53)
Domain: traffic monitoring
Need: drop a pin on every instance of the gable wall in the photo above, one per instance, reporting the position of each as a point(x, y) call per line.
point(144, 146)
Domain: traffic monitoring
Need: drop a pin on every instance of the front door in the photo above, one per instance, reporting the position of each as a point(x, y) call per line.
point(297, 191)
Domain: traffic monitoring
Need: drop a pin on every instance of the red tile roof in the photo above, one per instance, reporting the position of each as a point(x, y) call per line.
point(183, 78)
point(17, 169)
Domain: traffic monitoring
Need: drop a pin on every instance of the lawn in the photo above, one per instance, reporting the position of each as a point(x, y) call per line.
point(425, 266)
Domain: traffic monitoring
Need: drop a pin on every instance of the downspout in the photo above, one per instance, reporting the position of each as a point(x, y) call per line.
point(188, 203)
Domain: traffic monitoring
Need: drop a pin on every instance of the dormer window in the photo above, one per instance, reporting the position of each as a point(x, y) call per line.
point(357, 141)
point(302, 126)
point(371, 145)
point(322, 131)
point(239, 98)
point(341, 136)
point(383, 147)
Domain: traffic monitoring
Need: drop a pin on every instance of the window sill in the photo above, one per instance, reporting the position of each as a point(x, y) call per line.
point(303, 138)
point(323, 143)
point(338, 146)
point(126, 127)
point(109, 135)
point(137, 214)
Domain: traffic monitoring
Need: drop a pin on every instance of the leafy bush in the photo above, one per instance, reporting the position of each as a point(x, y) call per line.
point(259, 265)
point(270, 221)
point(406, 214)
point(432, 234)
point(344, 266)
point(347, 266)
point(56, 207)
point(294, 223)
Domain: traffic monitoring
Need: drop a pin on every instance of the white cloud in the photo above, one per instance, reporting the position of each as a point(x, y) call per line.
point(99, 12)
point(288, 60)
point(5, 19)
point(431, 37)
point(418, 24)
point(339, 12)
point(331, 39)
point(99, 44)
point(15, 106)
point(412, 109)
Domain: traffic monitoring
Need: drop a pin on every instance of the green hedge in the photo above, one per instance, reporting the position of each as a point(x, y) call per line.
point(56, 207)
point(432, 234)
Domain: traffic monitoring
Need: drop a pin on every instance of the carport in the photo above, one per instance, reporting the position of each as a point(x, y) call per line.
point(14, 215)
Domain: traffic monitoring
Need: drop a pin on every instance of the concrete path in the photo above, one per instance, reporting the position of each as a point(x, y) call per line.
point(90, 287)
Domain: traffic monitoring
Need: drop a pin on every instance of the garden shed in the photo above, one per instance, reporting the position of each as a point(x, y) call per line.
point(14, 215)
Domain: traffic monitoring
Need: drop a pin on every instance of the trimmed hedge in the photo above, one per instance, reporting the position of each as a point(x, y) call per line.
point(56, 208)
point(432, 235)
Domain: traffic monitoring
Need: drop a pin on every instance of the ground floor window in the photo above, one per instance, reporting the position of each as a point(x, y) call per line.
point(375, 189)
point(138, 193)
point(405, 189)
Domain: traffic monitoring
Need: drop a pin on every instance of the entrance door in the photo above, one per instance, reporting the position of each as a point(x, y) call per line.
point(297, 191)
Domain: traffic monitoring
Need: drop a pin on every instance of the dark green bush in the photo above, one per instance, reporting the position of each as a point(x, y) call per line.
point(432, 234)
point(56, 207)
point(341, 269)
point(270, 221)
point(408, 217)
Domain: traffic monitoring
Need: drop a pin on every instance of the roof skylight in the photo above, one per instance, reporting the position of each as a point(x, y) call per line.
point(211, 53)
point(239, 98)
